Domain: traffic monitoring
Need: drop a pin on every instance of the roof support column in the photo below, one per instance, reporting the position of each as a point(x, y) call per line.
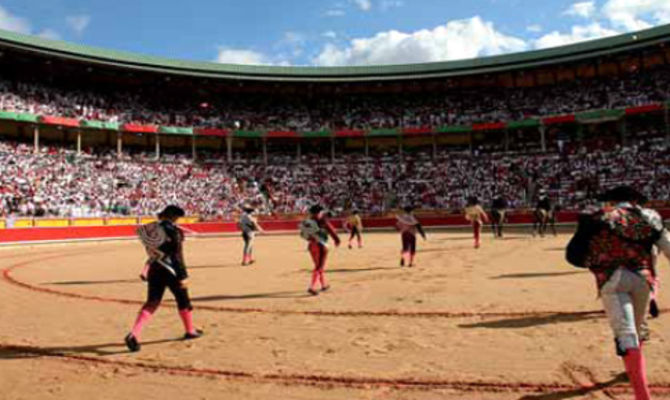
point(194, 150)
point(119, 144)
point(667, 126)
point(78, 142)
point(158, 147)
point(623, 135)
point(229, 148)
point(543, 138)
point(298, 150)
point(506, 140)
point(36, 139)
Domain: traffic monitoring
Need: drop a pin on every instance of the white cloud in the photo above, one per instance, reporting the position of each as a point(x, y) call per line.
point(385, 5)
point(13, 23)
point(78, 23)
point(364, 5)
point(633, 15)
point(335, 12)
point(584, 9)
point(241, 56)
point(577, 34)
point(49, 34)
point(468, 38)
point(329, 35)
point(534, 28)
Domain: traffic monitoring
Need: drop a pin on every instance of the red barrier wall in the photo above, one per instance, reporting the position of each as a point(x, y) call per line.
point(227, 227)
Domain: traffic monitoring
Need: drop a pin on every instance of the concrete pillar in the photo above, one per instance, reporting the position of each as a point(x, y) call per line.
point(506, 140)
point(543, 138)
point(229, 148)
point(119, 144)
point(194, 153)
point(158, 147)
point(36, 139)
point(667, 126)
point(623, 135)
point(78, 143)
point(580, 134)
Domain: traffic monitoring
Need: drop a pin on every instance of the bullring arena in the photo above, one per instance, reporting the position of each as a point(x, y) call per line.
point(511, 320)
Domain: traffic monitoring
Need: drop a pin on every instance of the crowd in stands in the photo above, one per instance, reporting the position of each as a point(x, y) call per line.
point(351, 111)
point(57, 182)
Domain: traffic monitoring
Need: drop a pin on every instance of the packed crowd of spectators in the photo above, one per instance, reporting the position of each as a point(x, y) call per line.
point(57, 182)
point(301, 112)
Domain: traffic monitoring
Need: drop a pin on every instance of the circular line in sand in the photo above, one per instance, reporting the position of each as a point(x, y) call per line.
point(7, 276)
point(356, 382)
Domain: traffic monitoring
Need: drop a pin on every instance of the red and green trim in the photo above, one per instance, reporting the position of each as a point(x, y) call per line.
point(589, 117)
point(282, 134)
point(559, 119)
point(212, 132)
point(350, 133)
point(93, 124)
point(454, 129)
point(316, 134)
point(176, 130)
point(137, 128)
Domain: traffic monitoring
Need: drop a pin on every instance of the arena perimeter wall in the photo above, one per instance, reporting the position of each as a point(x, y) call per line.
point(92, 233)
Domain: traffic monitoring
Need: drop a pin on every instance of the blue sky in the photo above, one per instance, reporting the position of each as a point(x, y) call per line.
point(329, 32)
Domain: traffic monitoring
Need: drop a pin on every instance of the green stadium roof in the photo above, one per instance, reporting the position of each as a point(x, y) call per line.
point(530, 59)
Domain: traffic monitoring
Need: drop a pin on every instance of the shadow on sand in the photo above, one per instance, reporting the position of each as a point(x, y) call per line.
point(102, 282)
point(275, 295)
point(534, 320)
point(351, 270)
point(538, 275)
point(583, 391)
point(215, 266)
point(106, 349)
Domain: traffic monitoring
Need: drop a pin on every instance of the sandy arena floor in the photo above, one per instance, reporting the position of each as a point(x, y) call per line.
point(510, 321)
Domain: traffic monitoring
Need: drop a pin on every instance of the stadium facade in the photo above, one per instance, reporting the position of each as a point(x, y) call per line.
point(74, 66)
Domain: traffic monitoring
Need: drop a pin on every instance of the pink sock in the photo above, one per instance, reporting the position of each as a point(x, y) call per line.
point(322, 278)
point(142, 319)
point(315, 278)
point(637, 373)
point(145, 271)
point(187, 319)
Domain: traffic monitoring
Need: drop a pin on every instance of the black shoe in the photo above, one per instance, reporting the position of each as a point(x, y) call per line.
point(198, 333)
point(132, 343)
point(653, 309)
point(312, 292)
point(325, 288)
point(402, 262)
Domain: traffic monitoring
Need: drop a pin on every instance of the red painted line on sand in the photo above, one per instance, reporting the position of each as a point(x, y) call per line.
point(6, 273)
point(357, 382)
